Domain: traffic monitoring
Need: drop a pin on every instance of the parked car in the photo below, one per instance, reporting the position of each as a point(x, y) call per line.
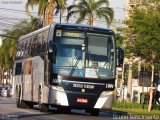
point(9, 92)
point(1, 90)
point(4, 92)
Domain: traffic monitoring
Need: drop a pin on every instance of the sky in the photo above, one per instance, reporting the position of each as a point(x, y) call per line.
point(12, 11)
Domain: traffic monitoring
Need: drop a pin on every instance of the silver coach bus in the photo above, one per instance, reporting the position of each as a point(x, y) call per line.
point(66, 66)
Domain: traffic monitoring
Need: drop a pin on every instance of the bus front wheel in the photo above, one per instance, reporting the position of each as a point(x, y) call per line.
point(44, 107)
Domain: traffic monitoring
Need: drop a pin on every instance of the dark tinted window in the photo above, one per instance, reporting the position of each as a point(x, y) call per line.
point(18, 69)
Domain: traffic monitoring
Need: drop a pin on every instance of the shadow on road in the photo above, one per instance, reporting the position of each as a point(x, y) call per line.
point(35, 113)
point(110, 113)
point(76, 113)
point(7, 103)
point(25, 115)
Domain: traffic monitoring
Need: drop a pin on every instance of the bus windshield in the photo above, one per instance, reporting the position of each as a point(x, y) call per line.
point(86, 55)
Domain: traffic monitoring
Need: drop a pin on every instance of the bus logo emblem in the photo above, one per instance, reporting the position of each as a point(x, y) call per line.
point(83, 90)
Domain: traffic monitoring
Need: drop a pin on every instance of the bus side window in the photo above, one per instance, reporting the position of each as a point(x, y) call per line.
point(23, 50)
point(18, 69)
point(18, 51)
point(27, 67)
point(31, 48)
point(40, 48)
point(26, 50)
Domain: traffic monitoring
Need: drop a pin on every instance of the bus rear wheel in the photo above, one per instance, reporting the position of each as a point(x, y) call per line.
point(30, 105)
point(20, 103)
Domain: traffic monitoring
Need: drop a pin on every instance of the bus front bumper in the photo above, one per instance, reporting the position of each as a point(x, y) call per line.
point(58, 96)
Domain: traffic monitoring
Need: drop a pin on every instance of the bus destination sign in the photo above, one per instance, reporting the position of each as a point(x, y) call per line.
point(73, 34)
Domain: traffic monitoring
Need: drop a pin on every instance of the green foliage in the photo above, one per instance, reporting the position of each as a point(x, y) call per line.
point(91, 9)
point(135, 70)
point(144, 27)
point(144, 24)
point(42, 4)
point(128, 105)
point(7, 50)
point(131, 105)
point(119, 40)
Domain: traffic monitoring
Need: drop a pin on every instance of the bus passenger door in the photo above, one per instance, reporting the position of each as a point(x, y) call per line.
point(27, 81)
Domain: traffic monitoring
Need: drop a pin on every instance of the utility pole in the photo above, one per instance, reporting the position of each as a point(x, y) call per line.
point(121, 85)
point(129, 89)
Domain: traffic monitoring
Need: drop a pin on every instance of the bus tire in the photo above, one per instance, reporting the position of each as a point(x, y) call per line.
point(95, 112)
point(44, 107)
point(30, 105)
point(20, 103)
point(18, 92)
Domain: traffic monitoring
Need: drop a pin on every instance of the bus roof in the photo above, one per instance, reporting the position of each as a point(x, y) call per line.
point(83, 26)
point(34, 32)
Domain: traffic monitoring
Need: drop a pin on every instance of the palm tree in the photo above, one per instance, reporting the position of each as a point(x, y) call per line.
point(7, 50)
point(46, 7)
point(91, 10)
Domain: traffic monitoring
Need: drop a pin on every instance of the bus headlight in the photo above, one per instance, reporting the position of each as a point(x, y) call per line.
point(106, 93)
point(59, 78)
point(58, 88)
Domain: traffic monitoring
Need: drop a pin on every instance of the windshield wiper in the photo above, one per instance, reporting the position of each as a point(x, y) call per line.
point(74, 67)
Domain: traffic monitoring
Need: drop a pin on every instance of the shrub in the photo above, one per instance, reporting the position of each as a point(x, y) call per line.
point(130, 105)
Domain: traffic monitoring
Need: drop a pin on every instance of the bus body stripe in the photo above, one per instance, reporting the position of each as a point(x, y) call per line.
point(84, 82)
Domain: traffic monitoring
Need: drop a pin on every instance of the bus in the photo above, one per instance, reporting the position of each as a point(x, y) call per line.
point(66, 66)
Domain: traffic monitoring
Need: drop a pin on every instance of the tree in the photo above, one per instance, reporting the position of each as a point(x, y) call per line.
point(145, 25)
point(46, 7)
point(7, 50)
point(91, 10)
point(119, 37)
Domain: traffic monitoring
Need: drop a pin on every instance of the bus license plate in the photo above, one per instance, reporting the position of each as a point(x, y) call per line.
point(82, 100)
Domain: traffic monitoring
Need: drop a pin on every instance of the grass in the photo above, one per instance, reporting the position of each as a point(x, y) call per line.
point(134, 108)
point(137, 111)
point(118, 104)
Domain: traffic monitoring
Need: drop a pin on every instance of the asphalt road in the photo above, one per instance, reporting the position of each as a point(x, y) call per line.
point(9, 111)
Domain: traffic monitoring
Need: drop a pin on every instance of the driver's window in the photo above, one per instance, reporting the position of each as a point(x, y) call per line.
point(97, 51)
